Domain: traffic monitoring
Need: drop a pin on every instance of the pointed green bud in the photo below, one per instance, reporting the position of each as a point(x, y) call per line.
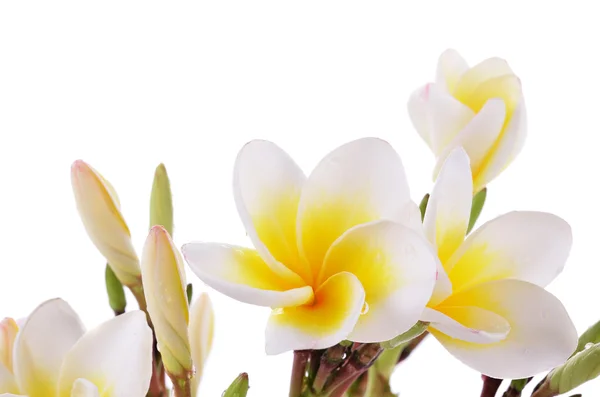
point(423, 206)
point(582, 367)
point(114, 289)
point(189, 291)
point(161, 202)
point(592, 335)
point(239, 387)
point(412, 333)
point(476, 207)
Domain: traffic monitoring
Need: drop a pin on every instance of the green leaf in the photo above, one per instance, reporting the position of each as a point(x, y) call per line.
point(591, 335)
point(239, 387)
point(412, 333)
point(115, 291)
point(423, 206)
point(582, 367)
point(189, 291)
point(476, 207)
point(161, 202)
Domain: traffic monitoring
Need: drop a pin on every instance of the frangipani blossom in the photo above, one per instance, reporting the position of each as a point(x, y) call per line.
point(99, 209)
point(336, 255)
point(54, 356)
point(479, 108)
point(497, 318)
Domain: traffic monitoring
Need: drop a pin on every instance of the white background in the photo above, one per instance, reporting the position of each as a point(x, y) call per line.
point(126, 85)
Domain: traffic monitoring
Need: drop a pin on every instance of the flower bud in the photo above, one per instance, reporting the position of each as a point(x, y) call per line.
point(201, 330)
point(239, 387)
point(99, 209)
point(163, 277)
point(161, 203)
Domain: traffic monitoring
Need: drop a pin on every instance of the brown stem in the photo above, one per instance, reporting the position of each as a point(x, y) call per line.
point(514, 391)
point(360, 361)
point(298, 371)
point(345, 385)
point(331, 359)
point(412, 345)
point(490, 386)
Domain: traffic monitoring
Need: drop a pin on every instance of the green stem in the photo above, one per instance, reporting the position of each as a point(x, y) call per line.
point(182, 388)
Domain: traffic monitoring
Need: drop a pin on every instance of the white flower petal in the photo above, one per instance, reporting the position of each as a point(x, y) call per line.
point(329, 320)
point(449, 207)
point(356, 183)
point(541, 335)
point(478, 137)
point(84, 388)
point(438, 116)
point(508, 147)
point(267, 185)
point(481, 326)
point(242, 274)
point(450, 68)
point(116, 356)
point(471, 79)
point(524, 245)
point(396, 268)
point(7, 381)
point(41, 345)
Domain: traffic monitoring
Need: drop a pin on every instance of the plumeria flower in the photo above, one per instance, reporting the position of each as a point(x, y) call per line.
point(479, 108)
point(335, 257)
point(52, 355)
point(490, 309)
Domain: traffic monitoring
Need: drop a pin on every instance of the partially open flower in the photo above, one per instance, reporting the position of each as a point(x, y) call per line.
point(336, 254)
point(479, 108)
point(201, 330)
point(490, 309)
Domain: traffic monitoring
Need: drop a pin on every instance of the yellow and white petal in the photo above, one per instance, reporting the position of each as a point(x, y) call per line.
point(267, 185)
point(525, 245)
point(116, 357)
point(479, 136)
point(329, 320)
point(7, 381)
point(8, 334)
point(506, 149)
point(242, 274)
point(442, 115)
point(99, 210)
point(163, 277)
point(471, 79)
point(202, 325)
point(84, 388)
point(396, 268)
point(541, 335)
point(468, 323)
point(449, 207)
point(41, 346)
point(451, 66)
point(358, 182)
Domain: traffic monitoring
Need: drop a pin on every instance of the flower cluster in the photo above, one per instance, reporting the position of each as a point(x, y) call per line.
point(355, 273)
